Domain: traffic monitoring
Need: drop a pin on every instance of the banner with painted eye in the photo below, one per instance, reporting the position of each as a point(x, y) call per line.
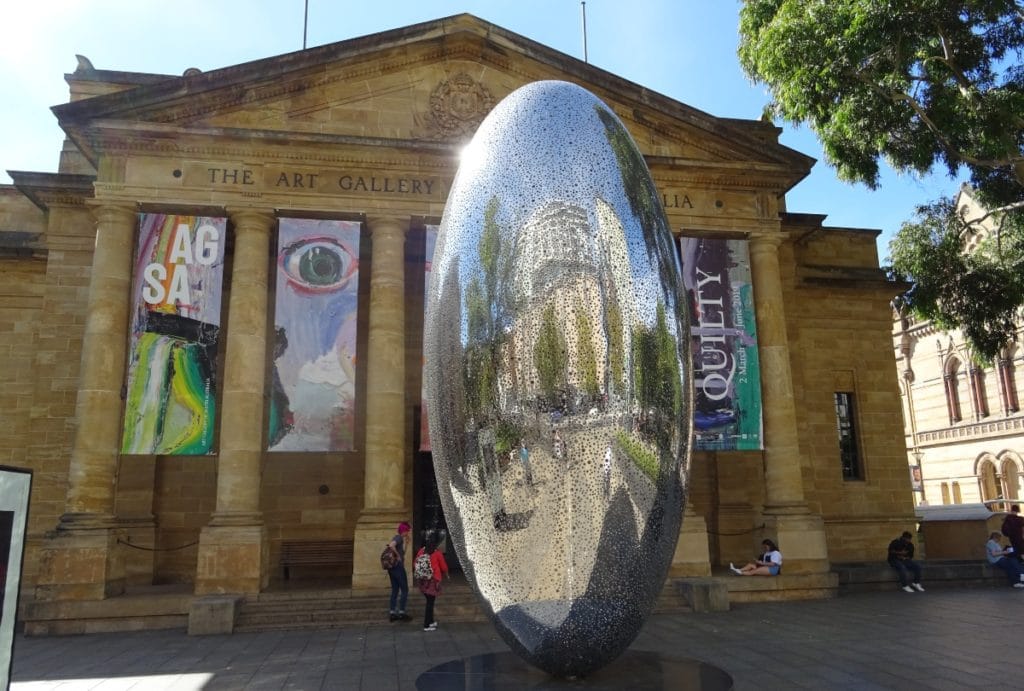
point(723, 331)
point(312, 397)
point(431, 240)
point(172, 365)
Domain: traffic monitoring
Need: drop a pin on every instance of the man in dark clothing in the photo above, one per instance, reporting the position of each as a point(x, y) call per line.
point(901, 558)
point(1013, 528)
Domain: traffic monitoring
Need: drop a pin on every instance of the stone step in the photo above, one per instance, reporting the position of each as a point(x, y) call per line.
point(336, 609)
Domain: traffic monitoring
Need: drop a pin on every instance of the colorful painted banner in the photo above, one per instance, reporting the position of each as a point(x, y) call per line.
point(312, 401)
point(431, 233)
point(179, 268)
point(726, 368)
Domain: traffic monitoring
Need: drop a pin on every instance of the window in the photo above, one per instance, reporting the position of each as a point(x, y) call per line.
point(1008, 384)
point(978, 395)
point(849, 450)
point(1010, 477)
point(952, 382)
point(989, 481)
point(958, 498)
point(945, 492)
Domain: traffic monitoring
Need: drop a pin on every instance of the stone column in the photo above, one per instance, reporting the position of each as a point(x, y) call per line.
point(384, 502)
point(800, 535)
point(82, 560)
point(233, 554)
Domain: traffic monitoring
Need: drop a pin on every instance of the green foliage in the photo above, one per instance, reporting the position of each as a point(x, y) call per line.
point(616, 347)
point(487, 305)
point(656, 375)
point(549, 355)
point(506, 436)
point(917, 82)
point(978, 293)
point(642, 458)
point(643, 197)
point(586, 354)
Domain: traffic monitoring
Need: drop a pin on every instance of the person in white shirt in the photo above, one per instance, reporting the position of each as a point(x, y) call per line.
point(1004, 558)
point(769, 563)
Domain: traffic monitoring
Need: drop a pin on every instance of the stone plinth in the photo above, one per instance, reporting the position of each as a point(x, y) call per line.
point(213, 614)
point(692, 557)
point(84, 564)
point(801, 539)
point(232, 559)
point(372, 533)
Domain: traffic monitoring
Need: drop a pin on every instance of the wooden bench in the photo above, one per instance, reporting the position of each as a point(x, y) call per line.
point(315, 553)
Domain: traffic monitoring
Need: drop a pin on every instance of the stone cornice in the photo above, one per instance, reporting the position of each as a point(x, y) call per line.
point(53, 189)
point(984, 429)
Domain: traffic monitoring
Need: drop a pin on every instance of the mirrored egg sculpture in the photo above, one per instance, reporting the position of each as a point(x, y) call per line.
point(558, 378)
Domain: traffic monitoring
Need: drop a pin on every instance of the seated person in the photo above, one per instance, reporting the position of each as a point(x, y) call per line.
point(768, 564)
point(1004, 558)
point(901, 558)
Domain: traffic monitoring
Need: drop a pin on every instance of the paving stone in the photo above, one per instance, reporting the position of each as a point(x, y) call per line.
point(865, 641)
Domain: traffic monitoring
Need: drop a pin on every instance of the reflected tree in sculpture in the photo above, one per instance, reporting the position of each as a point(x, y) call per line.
point(557, 377)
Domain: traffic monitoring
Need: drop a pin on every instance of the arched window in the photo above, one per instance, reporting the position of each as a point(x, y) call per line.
point(1007, 382)
point(988, 481)
point(944, 487)
point(978, 396)
point(951, 378)
point(1010, 473)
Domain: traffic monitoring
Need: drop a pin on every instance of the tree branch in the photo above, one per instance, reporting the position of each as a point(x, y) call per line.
point(919, 110)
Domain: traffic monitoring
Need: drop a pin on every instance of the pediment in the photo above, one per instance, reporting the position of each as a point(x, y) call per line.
point(432, 82)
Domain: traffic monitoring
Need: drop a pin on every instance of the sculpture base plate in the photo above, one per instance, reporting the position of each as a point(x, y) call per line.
point(634, 669)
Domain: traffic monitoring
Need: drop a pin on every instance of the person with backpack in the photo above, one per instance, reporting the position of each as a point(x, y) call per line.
point(428, 569)
point(393, 559)
point(1013, 528)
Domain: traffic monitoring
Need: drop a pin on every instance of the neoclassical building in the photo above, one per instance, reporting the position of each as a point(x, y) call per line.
point(963, 422)
point(164, 269)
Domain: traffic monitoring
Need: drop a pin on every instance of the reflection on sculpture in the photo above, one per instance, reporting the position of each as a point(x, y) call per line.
point(557, 377)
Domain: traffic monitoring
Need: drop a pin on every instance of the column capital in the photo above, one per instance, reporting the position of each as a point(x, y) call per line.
point(387, 225)
point(104, 211)
point(248, 217)
point(766, 240)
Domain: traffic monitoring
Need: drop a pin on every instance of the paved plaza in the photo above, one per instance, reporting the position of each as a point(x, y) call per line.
point(940, 639)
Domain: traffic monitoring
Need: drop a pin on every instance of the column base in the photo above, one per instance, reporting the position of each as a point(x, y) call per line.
point(232, 559)
point(81, 563)
point(801, 539)
point(373, 531)
point(692, 558)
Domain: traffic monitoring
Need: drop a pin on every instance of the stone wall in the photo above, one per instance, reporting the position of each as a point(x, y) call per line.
point(839, 342)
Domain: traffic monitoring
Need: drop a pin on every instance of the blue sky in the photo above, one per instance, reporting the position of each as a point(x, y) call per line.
point(685, 49)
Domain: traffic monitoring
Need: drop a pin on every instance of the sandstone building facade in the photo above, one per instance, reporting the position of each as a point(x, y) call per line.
point(369, 130)
point(964, 427)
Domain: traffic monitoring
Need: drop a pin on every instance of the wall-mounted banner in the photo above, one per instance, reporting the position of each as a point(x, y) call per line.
point(179, 268)
point(431, 233)
point(313, 398)
point(726, 369)
point(15, 489)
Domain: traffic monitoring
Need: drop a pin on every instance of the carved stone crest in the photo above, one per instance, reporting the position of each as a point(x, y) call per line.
point(457, 106)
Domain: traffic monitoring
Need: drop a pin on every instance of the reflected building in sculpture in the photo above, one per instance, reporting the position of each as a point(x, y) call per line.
point(368, 131)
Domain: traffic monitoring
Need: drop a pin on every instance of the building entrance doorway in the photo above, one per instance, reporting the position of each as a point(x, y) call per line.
point(428, 513)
